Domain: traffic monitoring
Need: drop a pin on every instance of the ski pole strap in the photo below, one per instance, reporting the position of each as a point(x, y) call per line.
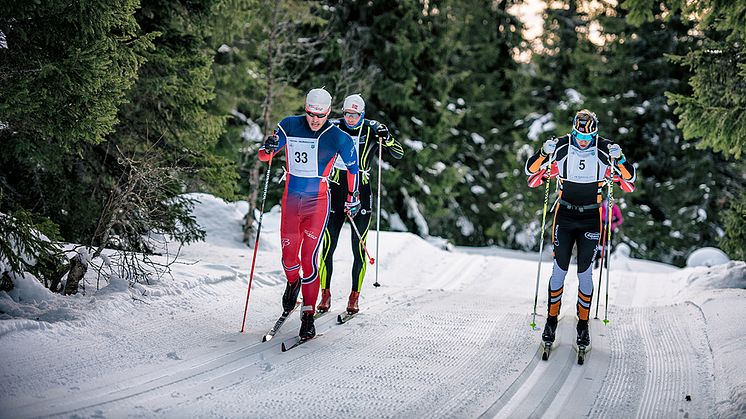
point(579, 208)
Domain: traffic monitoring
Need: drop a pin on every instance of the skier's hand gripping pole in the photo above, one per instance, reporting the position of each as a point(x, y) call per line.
point(256, 242)
point(362, 242)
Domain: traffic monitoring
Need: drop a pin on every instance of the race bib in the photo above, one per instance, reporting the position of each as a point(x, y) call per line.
point(303, 156)
point(582, 165)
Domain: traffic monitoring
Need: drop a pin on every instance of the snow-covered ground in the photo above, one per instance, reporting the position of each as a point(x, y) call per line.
point(446, 335)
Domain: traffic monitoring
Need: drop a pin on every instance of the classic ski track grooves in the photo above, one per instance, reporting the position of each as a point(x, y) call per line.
point(212, 371)
point(534, 390)
point(677, 363)
point(204, 369)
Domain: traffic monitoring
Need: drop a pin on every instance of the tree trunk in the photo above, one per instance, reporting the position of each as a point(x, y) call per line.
point(6, 283)
point(78, 268)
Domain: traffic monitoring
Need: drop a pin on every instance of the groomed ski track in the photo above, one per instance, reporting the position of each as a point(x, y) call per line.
point(446, 341)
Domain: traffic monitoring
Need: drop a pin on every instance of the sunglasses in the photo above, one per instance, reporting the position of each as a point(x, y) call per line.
point(351, 114)
point(316, 115)
point(583, 137)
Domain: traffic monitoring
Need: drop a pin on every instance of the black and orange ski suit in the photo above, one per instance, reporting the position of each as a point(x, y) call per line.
point(581, 177)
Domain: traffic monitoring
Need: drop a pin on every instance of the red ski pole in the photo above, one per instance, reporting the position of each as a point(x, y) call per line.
point(354, 227)
point(256, 243)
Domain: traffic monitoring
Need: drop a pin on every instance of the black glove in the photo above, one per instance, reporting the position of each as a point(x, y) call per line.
point(271, 143)
point(382, 133)
point(352, 205)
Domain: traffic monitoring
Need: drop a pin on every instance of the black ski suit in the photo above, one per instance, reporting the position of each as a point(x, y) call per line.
point(365, 136)
point(577, 216)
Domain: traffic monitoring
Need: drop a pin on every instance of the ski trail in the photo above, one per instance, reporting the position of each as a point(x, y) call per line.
point(201, 369)
point(533, 392)
point(670, 345)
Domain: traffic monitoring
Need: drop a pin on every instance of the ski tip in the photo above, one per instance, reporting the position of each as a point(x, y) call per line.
point(339, 319)
point(266, 338)
point(580, 361)
point(284, 348)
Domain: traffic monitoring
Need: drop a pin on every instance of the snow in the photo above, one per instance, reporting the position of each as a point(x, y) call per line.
point(707, 256)
point(478, 190)
point(478, 139)
point(414, 144)
point(446, 335)
point(540, 125)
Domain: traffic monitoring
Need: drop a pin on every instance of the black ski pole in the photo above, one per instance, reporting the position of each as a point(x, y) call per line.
point(608, 240)
point(378, 208)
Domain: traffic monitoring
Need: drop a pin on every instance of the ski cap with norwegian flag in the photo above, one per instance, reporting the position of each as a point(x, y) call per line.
point(354, 103)
point(318, 101)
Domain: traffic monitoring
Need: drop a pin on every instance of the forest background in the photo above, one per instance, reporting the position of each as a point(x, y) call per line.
point(112, 109)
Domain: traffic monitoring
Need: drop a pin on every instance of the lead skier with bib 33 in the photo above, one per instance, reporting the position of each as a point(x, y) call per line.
point(311, 145)
point(582, 161)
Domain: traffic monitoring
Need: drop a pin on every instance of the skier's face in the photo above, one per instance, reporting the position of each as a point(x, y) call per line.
point(352, 118)
point(316, 120)
point(583, 144)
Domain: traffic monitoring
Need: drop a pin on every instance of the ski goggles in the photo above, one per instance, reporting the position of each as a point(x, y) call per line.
point(351, 114)
point(316, 115)
point(580, 136)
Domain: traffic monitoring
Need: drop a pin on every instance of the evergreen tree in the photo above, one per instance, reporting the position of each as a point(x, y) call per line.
point(405, 45)
point(485, 74)
point(168, 107)
point(712, 113)
point(66, 69)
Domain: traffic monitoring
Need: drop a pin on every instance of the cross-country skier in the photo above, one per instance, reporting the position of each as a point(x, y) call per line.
point(366, 134)
point(582, 161)
point(311, 145)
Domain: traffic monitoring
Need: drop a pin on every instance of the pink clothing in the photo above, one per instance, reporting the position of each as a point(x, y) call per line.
point(616, 215)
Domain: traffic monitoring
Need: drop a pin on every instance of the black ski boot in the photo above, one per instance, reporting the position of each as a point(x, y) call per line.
point(290, 297)
point(307, 329)
point(584, 337)
point(549, 329)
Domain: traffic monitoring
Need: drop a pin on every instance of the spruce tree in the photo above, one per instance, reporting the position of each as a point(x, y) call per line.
point(712, 112)
point(65, 70)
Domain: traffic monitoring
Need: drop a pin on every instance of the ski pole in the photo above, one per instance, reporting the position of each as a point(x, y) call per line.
point(354, 227)
point(256, 242)
point(603, 261)
point(600, 271)
point(541, 243)
point(608, 235)
point(378, 208)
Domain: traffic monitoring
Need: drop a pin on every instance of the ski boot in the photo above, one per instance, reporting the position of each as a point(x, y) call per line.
point(352, 307)
point(549, 329)
point(326, 301)
point(290, 297)
point(584, 337)
point(307, 329)
point(548, 336)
